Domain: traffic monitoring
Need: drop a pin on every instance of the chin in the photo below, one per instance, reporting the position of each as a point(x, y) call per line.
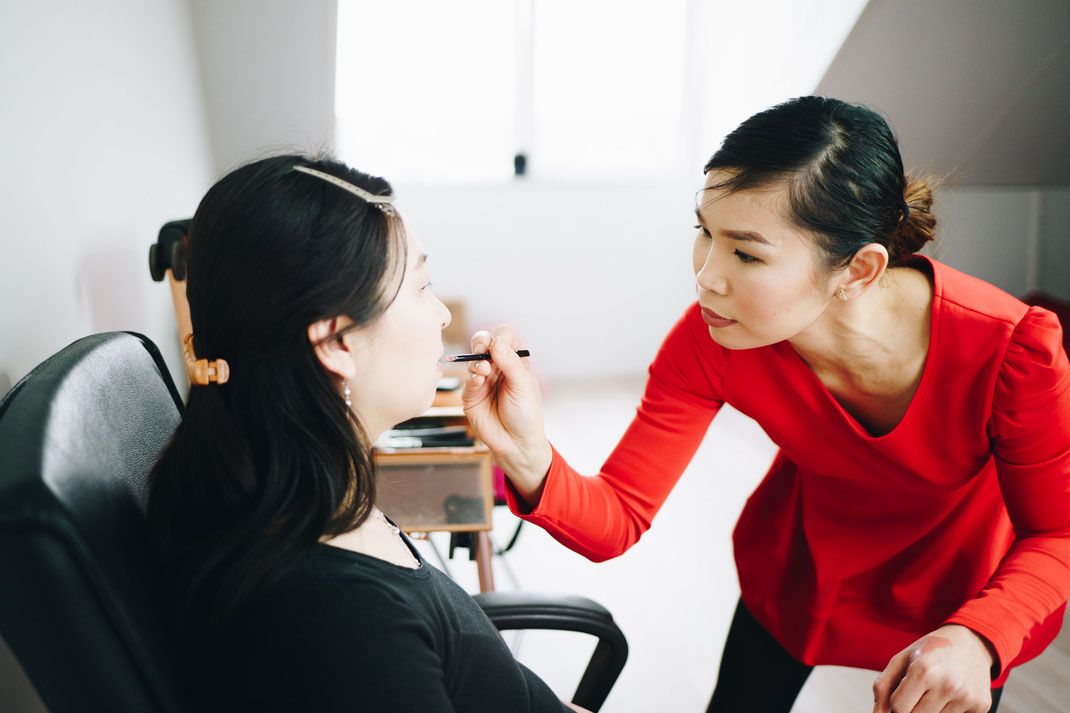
point(430, 399)
point(736, 341)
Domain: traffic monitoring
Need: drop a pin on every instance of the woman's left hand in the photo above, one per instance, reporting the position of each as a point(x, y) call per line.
point(947, 671)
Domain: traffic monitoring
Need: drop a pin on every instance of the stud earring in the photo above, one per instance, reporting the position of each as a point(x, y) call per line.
point(843, 294)
point(346, 392)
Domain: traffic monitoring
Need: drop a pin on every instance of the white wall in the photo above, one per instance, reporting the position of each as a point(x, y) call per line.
point(104, 139)
point(267, 68)
point(104, 142)
point(592, 276)
point(1053, 271)
point(1016, 238)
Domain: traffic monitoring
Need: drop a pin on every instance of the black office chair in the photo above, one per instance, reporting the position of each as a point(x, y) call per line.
point(78, 605)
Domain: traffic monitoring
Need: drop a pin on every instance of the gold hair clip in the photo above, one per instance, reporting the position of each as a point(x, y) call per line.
point(380, 202)
point(202, 372)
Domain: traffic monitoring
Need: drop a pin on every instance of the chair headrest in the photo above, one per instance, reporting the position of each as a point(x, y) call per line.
point(79, 436)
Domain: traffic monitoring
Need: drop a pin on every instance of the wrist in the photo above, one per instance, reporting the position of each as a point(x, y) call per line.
point(988, 651)
point(527, 470)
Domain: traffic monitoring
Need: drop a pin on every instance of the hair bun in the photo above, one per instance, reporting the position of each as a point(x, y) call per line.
point(918, 225)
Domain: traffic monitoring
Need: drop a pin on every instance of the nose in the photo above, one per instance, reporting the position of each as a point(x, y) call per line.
point(709, 274)
point(447, 317)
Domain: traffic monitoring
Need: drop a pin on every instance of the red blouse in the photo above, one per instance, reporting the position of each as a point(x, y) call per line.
point(854, 546)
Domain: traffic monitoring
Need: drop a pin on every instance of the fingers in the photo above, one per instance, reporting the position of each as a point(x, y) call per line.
point(480, 341)
point(501, 345)
point(923, 688)
point(478, 371)
point(888, 681)
point(473, 387)
point(909, 694)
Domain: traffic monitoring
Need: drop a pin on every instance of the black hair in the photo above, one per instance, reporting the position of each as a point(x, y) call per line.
point(844, 173)
point(264, 466)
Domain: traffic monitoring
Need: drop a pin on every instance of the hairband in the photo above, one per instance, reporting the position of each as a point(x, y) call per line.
point(380, 202)
point(202, 372)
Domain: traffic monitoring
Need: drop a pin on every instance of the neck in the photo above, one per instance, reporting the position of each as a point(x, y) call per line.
point(871, 331)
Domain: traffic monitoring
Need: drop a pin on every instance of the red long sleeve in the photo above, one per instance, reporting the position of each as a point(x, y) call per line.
point(854, 545)
point(1030, 432)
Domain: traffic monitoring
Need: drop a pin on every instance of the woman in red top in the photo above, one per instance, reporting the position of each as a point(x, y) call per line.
point(916, 520)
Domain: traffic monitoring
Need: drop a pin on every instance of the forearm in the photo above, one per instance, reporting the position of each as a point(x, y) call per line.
point(1031, 583)
point(603, 515)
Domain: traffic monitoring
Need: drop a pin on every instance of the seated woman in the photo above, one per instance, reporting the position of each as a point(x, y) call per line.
point(313, 314)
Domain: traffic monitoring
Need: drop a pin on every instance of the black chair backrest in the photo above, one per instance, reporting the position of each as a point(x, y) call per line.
point(79, 606)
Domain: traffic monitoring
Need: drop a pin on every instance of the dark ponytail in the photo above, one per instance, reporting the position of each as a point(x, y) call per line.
point(263, 466)
point(919, 223)
point(844, 174)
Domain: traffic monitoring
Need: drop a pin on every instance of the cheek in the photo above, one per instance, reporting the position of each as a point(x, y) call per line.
point(776, 296)
point(789, 301)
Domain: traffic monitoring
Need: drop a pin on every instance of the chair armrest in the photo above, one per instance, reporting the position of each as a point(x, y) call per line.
point(560, 612)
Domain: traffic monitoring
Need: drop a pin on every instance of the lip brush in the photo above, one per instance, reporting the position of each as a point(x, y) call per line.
point(482, 356)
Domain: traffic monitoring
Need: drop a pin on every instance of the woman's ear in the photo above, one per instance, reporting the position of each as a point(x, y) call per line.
point(333, 353)
point(865, 270)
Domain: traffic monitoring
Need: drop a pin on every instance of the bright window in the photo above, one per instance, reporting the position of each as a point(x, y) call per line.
point(430, 91)
point(425, 88)
point(608, 88)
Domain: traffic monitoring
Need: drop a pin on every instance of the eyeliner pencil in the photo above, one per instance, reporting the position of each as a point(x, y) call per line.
point(482, 356)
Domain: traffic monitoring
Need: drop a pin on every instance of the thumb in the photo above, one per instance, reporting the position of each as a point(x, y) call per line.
point(511, 365)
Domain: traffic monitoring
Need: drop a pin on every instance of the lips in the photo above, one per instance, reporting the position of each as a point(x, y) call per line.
point(715, 320)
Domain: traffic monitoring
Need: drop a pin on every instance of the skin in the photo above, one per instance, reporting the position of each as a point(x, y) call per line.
point(392, 370)
point(864, 332)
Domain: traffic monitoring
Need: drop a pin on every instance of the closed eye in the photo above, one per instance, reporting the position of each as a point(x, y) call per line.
point(704, 231)
point(745, 258)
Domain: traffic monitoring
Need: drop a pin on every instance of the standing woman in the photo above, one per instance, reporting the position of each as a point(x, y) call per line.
point(315, 331)
point(916, 520)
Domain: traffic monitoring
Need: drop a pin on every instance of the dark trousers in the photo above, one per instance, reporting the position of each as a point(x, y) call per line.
point(758, 676)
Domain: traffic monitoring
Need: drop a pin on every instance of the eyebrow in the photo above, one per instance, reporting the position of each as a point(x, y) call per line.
point(737, 234)
point(745, 235)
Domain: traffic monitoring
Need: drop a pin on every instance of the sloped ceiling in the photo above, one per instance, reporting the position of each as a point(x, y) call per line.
point(976, 90)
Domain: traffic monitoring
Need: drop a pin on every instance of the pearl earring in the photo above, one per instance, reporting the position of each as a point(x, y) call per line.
point(346, 392)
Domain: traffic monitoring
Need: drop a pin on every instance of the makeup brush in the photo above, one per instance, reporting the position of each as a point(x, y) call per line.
point(482, 356)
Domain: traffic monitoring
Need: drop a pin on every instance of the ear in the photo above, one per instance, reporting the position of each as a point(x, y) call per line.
point(334, 354)
point(864, 271)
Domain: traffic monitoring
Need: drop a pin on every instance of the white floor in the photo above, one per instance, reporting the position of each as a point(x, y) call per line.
point(674, 592)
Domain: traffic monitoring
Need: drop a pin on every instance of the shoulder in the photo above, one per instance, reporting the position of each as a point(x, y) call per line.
point(1034, 366)
point(1026, 341)
point(972, 298)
